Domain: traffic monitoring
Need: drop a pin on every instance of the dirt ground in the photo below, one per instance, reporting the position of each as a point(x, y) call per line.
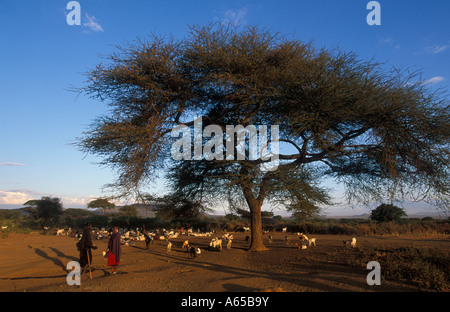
point(37, 263)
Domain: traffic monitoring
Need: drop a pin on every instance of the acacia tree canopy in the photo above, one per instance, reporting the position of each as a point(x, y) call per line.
point(387, 212)
point(380, 132)
point(47, 209)
point(101, 203)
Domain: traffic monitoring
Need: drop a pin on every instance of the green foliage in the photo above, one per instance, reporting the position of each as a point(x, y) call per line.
point(178, 206)
point(424, 267)
point(387, 212)
point(377, 131)
point(128, 210)
point(47, 210)
point(9, 214)
point(101, 203)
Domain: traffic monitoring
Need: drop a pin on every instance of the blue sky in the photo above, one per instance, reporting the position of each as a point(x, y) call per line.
point(41, 57)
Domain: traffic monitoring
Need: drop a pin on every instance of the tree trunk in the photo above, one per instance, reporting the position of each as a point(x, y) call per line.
point(257, 243)
point(256, 220)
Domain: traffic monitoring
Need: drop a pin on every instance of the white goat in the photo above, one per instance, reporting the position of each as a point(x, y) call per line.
point(186, 245)
point(216, 243)
point(303, 237)
point(287, 240)
point(193, 252)
point(351, 242)
point(227, 236)
point(284, 229)
point(312, 241)
point(303, 246)
point(60, 232)
point(169, 247)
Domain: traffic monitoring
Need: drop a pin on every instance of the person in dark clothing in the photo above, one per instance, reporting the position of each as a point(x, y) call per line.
point(114, 250)
point(85, 247)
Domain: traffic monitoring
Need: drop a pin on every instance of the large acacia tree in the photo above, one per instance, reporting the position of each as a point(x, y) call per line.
point(378, 131)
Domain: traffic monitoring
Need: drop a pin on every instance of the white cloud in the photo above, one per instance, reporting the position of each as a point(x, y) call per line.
point(387, 40)
point(92, 23)
point(235, 17)
point(77, 202)
point(19, 197)
point(8, 163)
point(436, 49)
point(433, 80)
point(16, 197)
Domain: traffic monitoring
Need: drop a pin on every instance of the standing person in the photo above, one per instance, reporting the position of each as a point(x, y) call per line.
point(114, 250)
point(85, 247)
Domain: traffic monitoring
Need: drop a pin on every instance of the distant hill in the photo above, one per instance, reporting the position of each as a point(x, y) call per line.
point(361, 216)
point(420, 214)
point(144, 211)
point(433, 214)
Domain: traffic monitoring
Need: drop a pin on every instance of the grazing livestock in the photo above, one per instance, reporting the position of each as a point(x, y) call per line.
point(148, 239)
point(351, 242)
point(194, 252)
point(216, 243)
point(303, 237)
point(158, 238)
point(287, 240)
point(303, 246)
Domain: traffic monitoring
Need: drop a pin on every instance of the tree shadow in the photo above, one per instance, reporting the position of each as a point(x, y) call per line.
point(55, 261)
point(300, 279)
point(63, 255)
point(230, 287)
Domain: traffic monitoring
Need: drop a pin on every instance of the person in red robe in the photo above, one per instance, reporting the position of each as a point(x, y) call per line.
point(114, 250)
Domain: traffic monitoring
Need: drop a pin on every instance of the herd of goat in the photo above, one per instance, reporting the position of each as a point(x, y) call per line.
point(129, 237)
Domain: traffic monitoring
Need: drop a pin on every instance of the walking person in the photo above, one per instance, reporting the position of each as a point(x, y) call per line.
point(85, 247)
point(114, 250)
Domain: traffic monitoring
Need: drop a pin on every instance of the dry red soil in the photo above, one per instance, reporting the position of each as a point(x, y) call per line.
point(37, 263)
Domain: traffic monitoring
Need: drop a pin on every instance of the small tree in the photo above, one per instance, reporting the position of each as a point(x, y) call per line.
point(176, 206)
point(128, 211)
point(101, 203)
point(387, 212)
point(47, 209)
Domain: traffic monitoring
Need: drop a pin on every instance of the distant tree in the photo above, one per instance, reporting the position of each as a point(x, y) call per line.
point(128, 210)
point(266, 214)
point(243, 213)
point(176, 206)
point(102, 203)
point(278, 218)
point(387, 212)
point(231, 217)
point(74, 213)
point(47, 209)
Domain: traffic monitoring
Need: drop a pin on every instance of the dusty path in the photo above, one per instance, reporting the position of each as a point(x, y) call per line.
point(37, 262)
